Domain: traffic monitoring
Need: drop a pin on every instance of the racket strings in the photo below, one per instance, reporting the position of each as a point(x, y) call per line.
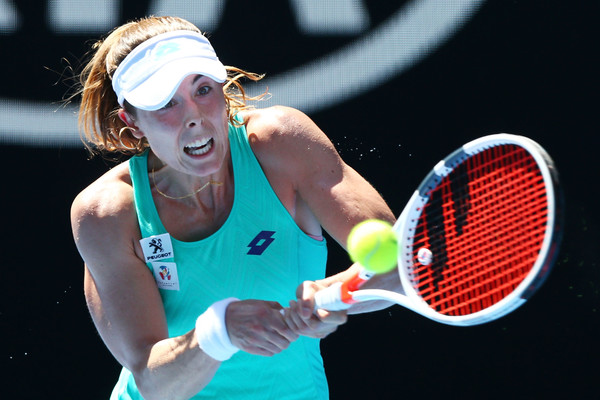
point(484, 224)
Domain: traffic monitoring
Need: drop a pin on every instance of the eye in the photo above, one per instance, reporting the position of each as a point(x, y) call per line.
point(204, 90)
point(170, 104)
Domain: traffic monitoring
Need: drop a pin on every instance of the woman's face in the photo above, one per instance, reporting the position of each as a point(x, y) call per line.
point(190, 133)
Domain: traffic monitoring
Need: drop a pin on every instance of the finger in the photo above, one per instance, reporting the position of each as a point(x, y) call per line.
point(290, 317)
point(279, 323)
point(295, 321)
point(281, 334)
point(274, 342)
point(332, 317)
point(314, 327)
point(326, 322)
point(259, 351)
point(305, 295)
point(285, 330)
point(265, 343)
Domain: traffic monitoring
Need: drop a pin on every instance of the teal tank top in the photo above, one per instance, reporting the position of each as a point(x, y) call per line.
point(258, 253)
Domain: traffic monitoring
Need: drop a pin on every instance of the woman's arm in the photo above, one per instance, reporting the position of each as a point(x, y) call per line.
point(126, 306)
point(336, 197)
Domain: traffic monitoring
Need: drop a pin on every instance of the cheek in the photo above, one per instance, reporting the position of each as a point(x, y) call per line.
point(217, 119)
point(160, 130)
point(161, 119)
point(168, 121)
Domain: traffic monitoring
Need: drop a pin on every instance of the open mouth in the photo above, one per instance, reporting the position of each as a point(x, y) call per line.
point(199, 147)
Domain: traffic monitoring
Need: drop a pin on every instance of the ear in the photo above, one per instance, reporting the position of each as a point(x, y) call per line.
point(130, 122)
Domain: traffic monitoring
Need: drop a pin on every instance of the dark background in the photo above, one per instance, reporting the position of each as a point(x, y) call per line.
point(523, 67)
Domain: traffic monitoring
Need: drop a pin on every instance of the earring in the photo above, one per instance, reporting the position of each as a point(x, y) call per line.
point(121, 139)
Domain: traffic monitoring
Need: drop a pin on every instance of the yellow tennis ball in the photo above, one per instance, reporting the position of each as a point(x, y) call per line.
point(373, 244)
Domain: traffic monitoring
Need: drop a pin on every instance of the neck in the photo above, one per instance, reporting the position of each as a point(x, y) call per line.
point(174, 185)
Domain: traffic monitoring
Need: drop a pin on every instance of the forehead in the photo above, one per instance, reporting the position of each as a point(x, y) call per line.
point(188, 86)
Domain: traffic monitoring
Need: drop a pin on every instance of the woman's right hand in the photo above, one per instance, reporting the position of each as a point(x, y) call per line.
point(258, 327)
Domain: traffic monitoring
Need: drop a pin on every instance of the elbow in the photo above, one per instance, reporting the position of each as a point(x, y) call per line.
point(151, 387)
point(143, 381)
point(164, 373)
point(147, 384)
point(150, 395)
point(149, 390)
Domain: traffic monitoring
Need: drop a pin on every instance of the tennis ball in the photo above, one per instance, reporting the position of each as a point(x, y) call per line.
point(373, 244)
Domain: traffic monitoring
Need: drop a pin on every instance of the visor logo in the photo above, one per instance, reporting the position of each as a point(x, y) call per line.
point(164, 49)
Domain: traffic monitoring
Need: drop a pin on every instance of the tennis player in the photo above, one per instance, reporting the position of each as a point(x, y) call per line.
point(193, 244)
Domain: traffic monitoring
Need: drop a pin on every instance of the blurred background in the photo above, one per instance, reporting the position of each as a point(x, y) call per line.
point(396, 85)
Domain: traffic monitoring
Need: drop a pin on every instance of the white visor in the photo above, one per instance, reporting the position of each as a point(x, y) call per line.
point(149, 76)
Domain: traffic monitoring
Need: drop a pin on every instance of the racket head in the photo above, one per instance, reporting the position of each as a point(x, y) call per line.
point(489, 218)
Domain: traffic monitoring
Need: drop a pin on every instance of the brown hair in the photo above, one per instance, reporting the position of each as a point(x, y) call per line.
point(102, 129)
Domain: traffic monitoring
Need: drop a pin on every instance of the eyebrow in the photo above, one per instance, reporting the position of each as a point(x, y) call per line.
point(198, 77)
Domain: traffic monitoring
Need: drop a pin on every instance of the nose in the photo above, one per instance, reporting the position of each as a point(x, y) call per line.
point(193, 116)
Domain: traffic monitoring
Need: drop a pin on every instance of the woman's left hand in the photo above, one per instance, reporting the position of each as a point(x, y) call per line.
point(303, 319)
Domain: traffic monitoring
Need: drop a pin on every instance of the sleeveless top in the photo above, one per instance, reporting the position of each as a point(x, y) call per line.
point(258, 253)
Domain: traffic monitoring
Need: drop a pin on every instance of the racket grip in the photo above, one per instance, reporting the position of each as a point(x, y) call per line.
point(338, 296)
point(330, 298)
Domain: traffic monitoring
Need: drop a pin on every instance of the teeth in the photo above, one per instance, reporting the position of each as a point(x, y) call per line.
point(198, 147)
point(198, 143)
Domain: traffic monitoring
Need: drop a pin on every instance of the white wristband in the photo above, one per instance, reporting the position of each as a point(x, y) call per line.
point(211, 331)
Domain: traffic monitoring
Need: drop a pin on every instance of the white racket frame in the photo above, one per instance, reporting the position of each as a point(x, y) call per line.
point(407, 221)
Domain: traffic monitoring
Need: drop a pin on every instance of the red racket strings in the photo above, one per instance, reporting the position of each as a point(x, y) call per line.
point(484, 225)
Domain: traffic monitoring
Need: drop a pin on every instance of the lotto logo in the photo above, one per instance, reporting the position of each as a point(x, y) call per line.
point(260, 243)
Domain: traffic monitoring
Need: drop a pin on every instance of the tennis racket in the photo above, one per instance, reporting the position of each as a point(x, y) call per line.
point(476, 239)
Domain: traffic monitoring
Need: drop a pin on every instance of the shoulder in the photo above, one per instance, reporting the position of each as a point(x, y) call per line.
point(296, 155)
point(107, 195)
point(286, 135)
point(280, 122)
point(104, 210)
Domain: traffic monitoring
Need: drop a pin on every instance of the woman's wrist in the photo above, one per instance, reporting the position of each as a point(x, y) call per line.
point(211, 331)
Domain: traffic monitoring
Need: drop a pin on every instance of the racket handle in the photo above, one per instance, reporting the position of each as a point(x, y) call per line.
point(338, 296)
point(330, 298)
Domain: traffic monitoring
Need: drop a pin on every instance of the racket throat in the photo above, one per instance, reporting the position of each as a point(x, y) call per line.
point(353, 284)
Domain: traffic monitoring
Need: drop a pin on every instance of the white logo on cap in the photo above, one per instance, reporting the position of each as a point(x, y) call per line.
point(162, 49)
